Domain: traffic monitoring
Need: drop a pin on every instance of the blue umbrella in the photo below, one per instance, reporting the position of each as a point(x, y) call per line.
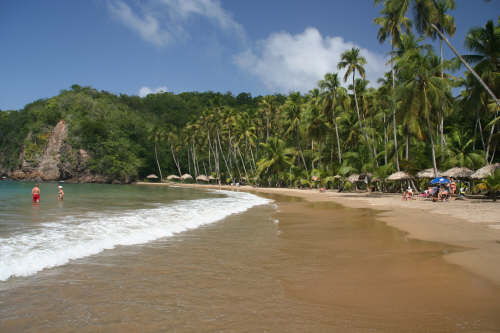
point(440, 180)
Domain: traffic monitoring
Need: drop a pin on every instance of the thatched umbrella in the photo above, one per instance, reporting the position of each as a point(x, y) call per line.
point(152, 176)
point(315, 178)
point(186, 176)
point(428, 173)
point(400, 175)
point(173, 177)
point(458, 172)
point(211, 178)
point(353, 178)
point(203, 178)
point(486, 171)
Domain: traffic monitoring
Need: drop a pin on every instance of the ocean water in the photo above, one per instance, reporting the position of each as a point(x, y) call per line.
point(97, 217)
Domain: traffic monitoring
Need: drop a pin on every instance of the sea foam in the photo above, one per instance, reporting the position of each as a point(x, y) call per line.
point(56, 243)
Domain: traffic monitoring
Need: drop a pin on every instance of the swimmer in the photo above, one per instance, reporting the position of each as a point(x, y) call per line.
point(60, 193)
point(36, 193)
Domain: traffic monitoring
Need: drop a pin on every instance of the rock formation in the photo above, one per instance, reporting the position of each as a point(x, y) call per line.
point(59, 161)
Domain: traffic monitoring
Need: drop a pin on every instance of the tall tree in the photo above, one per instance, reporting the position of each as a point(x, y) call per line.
point(353, 61)
point(392, 23)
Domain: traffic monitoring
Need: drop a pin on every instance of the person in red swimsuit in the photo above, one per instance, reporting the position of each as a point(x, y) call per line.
point(36, 193)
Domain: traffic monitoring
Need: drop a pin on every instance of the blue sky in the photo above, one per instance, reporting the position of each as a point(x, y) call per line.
point(140, 46)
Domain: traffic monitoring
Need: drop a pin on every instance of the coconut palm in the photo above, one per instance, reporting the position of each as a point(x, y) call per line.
point(392, 23)
point(423, 89)
point(485, 43)
point(276, 160)
point(268, 105)
point(353, 61)
point(157, 134)
point(330, 90)
point(293, 114)
point(427, 21)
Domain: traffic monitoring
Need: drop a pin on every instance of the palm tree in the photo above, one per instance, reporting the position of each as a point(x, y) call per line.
point(353, 61)
point(485, 43)
point(268, 104)
point(427, 19)
point(460, 151)
point(330, 86)
point(157, 134)
point(392, 22)
point(293, 112)
point(276, 160)
point(423, 89)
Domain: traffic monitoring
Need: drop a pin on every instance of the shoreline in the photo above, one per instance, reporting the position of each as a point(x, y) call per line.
point(468, 224)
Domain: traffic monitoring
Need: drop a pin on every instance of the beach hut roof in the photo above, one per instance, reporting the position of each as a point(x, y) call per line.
point(485, 171)
point(428, 173)
point(186, 176)
point(202, 178)
point(173, 177)
point(353, 178)
point(458, 172)
point(152, 176)
point(400, 175)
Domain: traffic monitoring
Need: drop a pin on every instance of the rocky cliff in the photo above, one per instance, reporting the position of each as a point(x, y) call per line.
point(59, 161)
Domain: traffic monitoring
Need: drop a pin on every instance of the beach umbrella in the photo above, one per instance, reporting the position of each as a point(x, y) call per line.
point(211, 178)
point(152, 176)
point(440, 180)
point(315, 178)
point(186, 176)
point(486, 171)
point(203, 178)
point(458, 172)
point(400, 175)
point(428, 173)
point(173, 177)
point(353, 178)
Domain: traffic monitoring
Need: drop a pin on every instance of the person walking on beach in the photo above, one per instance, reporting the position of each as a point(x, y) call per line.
point(60, 193)
point(453, 187)
point(36, 193)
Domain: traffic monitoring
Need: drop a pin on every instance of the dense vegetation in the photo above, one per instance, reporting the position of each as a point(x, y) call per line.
point(420, 116)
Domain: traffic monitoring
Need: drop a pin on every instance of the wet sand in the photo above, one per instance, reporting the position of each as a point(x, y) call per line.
point(471, 224)
point(305, 267)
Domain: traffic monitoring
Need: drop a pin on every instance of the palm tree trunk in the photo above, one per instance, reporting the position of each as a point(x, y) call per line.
point(224, 157)
point(407, 147)
point(432, 144)
point(359, 119)
point(244, 168)
point(385, 142)
point(158, 163)
point(176, 161)
point(338, 140)
point(441, 35)
point(489, 141)
point(441, 123)
point(394, 113)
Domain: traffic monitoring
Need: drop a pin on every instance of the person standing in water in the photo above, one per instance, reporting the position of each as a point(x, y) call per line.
point(36, 193)
point(60, 193)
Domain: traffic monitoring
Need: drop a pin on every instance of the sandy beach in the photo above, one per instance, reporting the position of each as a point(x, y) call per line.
point(473, 225)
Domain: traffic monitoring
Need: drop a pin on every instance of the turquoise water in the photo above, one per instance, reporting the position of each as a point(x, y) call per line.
point(96, 217)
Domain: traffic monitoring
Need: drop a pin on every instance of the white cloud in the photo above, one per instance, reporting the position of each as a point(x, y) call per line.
point(146, 26)
point(144, 91)
point(285, 62)
point(162, 21)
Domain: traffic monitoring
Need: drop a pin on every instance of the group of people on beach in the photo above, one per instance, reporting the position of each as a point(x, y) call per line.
point(35, 192)
point(442, 193)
